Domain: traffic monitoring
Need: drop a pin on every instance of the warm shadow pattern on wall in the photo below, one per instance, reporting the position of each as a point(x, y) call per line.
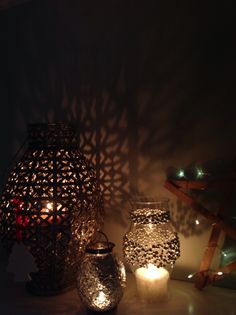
point(147, 85)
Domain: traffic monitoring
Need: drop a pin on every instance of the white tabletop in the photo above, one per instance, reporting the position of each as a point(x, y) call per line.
point(184, 299)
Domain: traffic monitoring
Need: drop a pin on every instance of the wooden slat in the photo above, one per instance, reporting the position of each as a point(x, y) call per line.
point(211, 248)
point(202, 277)
point(204, 184)
point(214, 219)
point(228, 268)
point(209, 279)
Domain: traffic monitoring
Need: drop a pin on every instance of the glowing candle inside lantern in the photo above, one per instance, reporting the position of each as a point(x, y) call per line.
point(101, 300)
point(45, 212)
point(152, 283)
point(48, 210)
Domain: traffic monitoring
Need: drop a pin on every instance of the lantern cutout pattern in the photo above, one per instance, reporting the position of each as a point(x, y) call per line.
point(52, 204)
point(101, 277)
point(151, 248)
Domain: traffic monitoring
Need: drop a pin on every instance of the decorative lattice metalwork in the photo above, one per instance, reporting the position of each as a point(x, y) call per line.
point(52, 203)
point(151, 239)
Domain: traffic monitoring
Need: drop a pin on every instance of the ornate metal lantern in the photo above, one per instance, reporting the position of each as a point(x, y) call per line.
point(101, 277)
point(151, 247)
point(52, 203)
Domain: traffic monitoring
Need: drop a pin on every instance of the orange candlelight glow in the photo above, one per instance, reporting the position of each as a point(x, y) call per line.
point(47, 212)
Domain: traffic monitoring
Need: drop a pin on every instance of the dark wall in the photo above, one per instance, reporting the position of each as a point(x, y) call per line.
point(159, 76)
point(149, 85)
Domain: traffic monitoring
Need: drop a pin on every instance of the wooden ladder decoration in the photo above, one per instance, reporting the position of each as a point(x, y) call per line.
point(180, 189)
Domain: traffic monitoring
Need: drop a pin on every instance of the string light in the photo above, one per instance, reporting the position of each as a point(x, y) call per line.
point(200, 173)
point(191, 275)
point(197, 222)
point(225, 252)
point(219, 273)
point(181, 173)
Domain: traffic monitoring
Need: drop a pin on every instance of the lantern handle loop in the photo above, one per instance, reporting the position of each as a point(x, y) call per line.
point(99, 247)
point(104, 235)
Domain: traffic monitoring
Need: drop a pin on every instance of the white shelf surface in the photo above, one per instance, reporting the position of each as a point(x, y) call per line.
point(184, 299)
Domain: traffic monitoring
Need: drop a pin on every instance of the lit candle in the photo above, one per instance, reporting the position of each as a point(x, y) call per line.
point(45, 212)
point(152, 283)
point(101, 300)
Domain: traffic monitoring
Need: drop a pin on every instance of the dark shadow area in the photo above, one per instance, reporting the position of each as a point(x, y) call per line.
point(147, 85)
point(111, 312)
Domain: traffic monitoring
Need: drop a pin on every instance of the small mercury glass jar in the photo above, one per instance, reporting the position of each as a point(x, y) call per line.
point(101, 278)
point(151, 247)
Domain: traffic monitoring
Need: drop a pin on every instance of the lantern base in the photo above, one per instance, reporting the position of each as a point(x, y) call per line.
point(42, 288)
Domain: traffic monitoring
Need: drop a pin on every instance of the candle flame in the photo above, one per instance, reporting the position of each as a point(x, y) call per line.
point(101, 297)
point(101, 300)
point(49, 206)
point(152, 272)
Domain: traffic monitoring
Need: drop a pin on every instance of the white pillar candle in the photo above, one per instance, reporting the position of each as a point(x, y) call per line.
point(152, 283)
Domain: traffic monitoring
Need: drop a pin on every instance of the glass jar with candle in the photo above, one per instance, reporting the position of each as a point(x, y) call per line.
point(101, 277)
point(151, 247)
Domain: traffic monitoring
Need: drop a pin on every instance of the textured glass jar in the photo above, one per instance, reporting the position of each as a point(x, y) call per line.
point(101, 277)
point(151, 247)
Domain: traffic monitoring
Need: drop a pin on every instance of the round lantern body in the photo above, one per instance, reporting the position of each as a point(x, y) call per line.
point(101, 278)
point(151, 248)
point(52, 203)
